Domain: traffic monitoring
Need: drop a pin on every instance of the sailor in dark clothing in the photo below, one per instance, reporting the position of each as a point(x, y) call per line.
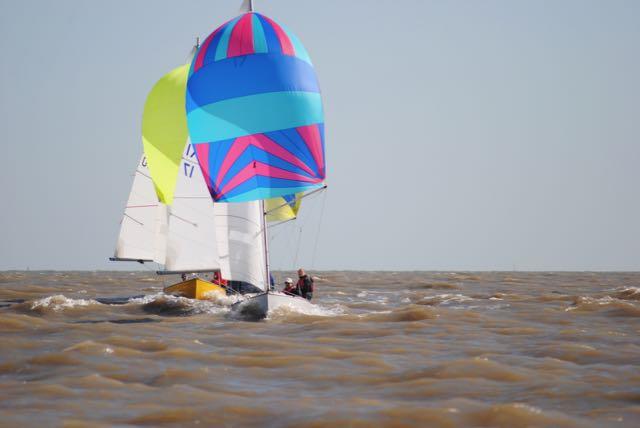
point(305, 285)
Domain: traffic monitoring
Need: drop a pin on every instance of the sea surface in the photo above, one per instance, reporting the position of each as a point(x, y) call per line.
point(396, 349)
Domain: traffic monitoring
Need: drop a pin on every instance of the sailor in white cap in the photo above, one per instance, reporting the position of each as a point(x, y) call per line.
point(289, 288)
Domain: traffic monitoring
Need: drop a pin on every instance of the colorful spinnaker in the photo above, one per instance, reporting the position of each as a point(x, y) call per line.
point(164, 131)
point(283, 208)
point(254, 112)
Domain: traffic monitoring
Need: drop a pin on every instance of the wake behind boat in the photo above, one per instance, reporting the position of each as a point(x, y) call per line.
point(258, 306)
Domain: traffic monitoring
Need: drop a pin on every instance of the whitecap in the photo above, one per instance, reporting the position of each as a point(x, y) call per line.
point(314, 310)
point(60, 302)
point(167, 304)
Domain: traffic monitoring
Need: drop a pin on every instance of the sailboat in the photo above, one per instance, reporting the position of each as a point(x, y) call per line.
point(254, 122)
point(174, 236)
point(169, 218)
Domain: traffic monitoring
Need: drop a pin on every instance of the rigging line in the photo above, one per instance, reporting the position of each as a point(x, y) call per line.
point(189, 160)
point(301, 198)
point(197, 208)
point(271, 226)
point(315, 246)
point(282, 231)
point(192, 197)
point(289, 233)
point(183, 219)
point(303, 224)
point(295, 256)
point(127, 215)
point(272, 235)
point(142, 174)
point(240, 218)
point(149, 268)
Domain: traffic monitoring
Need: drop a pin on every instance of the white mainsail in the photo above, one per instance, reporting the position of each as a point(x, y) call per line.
point(240, 238)
point(191, 241)
point(144, 225)
point(194, 234)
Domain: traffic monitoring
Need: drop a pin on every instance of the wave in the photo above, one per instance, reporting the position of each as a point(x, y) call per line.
point(315, 310)
point(168, 305)
point(405, 314)
point(615, 306)
point(478, 367)
point(56, 303)
point(443, 299)
point(158, 303)
point(430, 285)
point(627, 293)
point(221, 298)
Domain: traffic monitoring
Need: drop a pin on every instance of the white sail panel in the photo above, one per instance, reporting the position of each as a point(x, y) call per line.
point(143, 226)
point(161, 231)
point(240, 239)
point(191, 241)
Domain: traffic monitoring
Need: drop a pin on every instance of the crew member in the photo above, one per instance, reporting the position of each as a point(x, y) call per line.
point(305, 285)
point(289, 288)
point(218, 280)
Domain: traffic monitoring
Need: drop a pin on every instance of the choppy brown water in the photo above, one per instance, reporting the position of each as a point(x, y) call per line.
point(383, 349)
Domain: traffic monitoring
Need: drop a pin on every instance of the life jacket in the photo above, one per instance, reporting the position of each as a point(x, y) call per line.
point(305, 285)
point(217, 279)
point(290, 289)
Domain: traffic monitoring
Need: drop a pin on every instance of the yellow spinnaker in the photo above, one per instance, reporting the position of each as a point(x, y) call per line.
point(281, 209)
point(164, 131)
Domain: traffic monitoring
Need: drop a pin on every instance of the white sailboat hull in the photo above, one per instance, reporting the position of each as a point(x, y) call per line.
point(259, 305)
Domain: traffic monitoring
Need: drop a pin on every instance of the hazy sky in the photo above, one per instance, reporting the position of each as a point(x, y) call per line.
point(460, 134)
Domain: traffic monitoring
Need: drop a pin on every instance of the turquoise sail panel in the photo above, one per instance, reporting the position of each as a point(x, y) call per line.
point(254, 112)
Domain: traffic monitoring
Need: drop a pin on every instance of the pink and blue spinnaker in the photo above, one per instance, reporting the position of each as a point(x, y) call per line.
point(255, 113)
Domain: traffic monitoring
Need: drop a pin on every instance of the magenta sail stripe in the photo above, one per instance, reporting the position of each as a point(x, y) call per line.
point(259, 168)
point(202, 152)
point(202, 52)
point(262, 142)
point(270, 146)
point(311, 136)
point(236, 149)
point(241, 40)
point(285, 42)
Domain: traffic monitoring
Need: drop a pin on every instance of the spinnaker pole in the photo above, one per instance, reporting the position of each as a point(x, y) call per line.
point(324, 187)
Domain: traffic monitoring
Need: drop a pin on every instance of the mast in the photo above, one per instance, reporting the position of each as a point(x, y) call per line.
point(266, 246)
